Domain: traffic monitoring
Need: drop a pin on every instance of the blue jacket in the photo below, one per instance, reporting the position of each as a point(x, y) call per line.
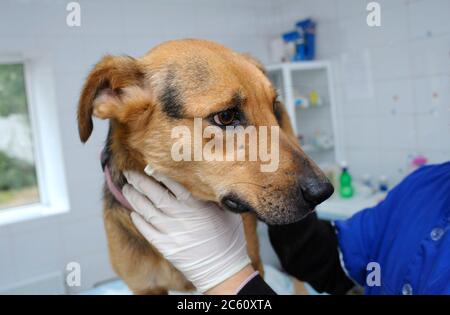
point(407, 236)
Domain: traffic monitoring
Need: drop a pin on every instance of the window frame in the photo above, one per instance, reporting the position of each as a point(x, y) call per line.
point(47, 149)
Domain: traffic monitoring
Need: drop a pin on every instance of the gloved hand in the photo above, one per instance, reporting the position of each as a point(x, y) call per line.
point(203, 241)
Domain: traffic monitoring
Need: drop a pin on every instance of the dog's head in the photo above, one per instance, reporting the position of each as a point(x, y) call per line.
point(147, 98)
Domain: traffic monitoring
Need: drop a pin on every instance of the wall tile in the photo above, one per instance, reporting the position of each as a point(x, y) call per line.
point(436, 156)
point(83, 237)
point(363, 161)
point(432, 94)
point(361, 132)
point(323, 11)
point(353, 34)
point(433, 131)
point(37, 250)
point(351, 8)
point(364, 108)
point(391, 61)
point(397, 131)
point(394, 96)
point(393, 28)
point(428, 18)
point(430, 56)
point(327, 40)
point(394, 164)
point(8, 273)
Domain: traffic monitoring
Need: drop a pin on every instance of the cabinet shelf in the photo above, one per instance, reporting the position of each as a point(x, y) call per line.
point(314, 123)
point(308, 148)
point(315, 107)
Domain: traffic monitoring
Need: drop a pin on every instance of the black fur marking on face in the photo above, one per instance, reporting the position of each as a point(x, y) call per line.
point(237, 100)
point(171, 96)
point(198, 72)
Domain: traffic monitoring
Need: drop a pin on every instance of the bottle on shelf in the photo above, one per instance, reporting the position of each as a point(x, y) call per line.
point(367, 188)
point(314, 99)
point(383, 186)
point(345, 180)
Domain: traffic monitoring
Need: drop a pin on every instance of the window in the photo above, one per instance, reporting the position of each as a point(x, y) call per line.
point(18, 178)
point(32, 173)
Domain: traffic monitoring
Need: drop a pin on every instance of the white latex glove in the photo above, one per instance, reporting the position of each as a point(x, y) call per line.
point(203, 241)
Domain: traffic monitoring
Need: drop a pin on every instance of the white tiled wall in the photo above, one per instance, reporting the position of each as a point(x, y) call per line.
point(408, 111)
point(37, 30)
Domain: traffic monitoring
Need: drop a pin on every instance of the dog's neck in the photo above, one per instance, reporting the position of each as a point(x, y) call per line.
point(113, 168)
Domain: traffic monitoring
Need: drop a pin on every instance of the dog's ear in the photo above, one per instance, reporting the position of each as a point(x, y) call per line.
point(102, 92)
point(258, 64)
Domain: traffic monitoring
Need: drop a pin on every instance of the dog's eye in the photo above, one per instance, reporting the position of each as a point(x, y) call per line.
point(227, 117)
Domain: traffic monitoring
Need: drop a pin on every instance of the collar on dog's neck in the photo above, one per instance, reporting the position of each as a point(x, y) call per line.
point(112, 187)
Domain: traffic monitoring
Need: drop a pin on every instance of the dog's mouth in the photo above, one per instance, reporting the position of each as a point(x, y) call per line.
point(236, 204)
point(278, 216)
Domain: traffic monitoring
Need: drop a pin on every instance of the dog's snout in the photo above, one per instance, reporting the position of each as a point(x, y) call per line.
point(317, 192)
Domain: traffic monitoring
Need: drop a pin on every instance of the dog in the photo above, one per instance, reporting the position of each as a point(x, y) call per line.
point(144, 99)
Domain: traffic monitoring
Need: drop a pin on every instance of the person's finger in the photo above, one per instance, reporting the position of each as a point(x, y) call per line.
point(140, 203)
point(178, 190)
point(148, 186)
point(150, 232)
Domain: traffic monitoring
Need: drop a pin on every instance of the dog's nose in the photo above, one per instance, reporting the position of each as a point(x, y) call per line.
point(317, 192)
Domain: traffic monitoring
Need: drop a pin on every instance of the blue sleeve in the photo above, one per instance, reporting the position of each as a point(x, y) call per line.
point(359, 236)
point(356, 240)
point(369, 234)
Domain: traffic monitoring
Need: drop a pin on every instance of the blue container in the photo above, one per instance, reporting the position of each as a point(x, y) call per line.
point(300, 48)
point(307, 30)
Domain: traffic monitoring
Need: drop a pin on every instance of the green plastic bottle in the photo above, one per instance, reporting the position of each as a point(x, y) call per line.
point(345, 180)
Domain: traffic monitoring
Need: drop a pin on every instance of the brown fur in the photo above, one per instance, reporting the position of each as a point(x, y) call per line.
point(144, 99)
